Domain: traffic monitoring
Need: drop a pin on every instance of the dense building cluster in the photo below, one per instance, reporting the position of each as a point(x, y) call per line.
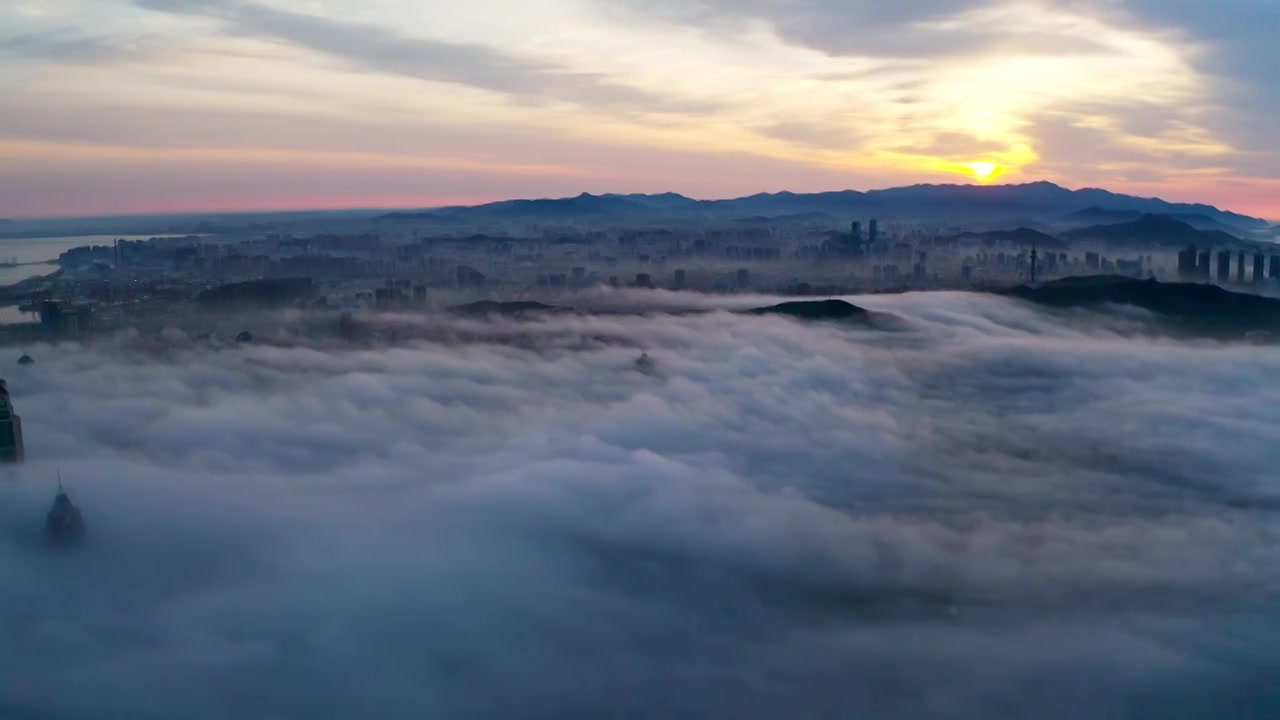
point(1250, 267)
point(403, 262)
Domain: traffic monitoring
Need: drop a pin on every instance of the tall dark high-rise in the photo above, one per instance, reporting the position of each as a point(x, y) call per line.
point(1224, 266)
point(873, 231)
point(1240, 267)
point(11, 450)
point(857, 232)
point(1259, 267)
point(1202, 264)
point(1187, 262)
point(1274, 271)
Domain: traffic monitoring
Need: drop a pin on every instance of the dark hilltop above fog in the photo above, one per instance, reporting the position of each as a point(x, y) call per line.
point(1216, 306)
point(815, 310)
point(485, 308)
point(827, 309)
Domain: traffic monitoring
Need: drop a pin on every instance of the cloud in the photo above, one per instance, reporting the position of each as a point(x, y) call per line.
point(1235, 46)
point(830, 135)
point(792, 519)
point(934, 29)
point(412, 168)
point(1235, 34)
point(1125, 146)
point(840, 93)
point(70, 47)
point(983, 75)
point(382, 50)
point(956, 146)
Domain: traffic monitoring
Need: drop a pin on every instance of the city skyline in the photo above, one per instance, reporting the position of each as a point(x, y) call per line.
point(148, 106)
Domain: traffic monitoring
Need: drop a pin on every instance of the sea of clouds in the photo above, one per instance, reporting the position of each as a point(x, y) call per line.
point(991, 511)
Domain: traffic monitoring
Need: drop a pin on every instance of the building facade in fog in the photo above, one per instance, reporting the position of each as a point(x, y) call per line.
point(11, 450)
point(1187, 263)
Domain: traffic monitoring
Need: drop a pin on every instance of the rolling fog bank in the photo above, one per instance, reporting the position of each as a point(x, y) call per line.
point(992, 510)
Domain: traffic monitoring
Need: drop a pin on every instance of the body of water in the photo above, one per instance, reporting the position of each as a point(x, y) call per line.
point(45, 252)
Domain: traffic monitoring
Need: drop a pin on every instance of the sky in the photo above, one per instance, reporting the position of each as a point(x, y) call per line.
point(116, 106)
point(785, 520)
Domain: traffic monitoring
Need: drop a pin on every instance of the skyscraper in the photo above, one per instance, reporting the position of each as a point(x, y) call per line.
point(1187, 262)
point(1224, 266)
point(873, 231)
point(10, 429)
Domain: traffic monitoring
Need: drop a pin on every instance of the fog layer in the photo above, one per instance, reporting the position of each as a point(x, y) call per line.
point(994, 512)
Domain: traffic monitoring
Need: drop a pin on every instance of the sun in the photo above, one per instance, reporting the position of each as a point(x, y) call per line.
point(983, 171)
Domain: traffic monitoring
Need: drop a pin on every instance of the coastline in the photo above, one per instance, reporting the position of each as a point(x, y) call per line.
point(11, 294)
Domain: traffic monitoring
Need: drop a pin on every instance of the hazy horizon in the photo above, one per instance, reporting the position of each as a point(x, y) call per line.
point(400, 208)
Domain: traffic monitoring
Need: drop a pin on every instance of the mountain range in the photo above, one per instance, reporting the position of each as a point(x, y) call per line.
point(1098, 216)
point(1153, 231)
point(1032, 203)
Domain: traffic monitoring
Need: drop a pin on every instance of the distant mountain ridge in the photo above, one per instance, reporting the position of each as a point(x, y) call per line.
point(1030, 200)
point(1153, 231)
point(1098, 216)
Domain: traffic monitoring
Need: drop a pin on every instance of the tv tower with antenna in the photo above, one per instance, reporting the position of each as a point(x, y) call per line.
point(1035, 256)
